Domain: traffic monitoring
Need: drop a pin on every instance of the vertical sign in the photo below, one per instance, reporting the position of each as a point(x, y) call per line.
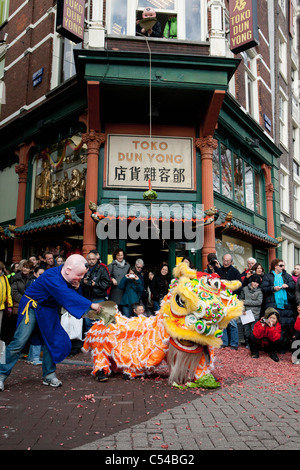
point(70, 19)
point(243, 25)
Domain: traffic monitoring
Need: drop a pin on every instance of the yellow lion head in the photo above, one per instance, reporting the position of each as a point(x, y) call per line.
point(198, 307)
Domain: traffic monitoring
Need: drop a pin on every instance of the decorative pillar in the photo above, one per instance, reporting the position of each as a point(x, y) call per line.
point(207, 145)
point(21, 170)
point(94, 140)
point(270, 207)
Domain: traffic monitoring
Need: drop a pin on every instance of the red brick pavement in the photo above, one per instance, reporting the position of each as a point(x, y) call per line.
point(36, 417)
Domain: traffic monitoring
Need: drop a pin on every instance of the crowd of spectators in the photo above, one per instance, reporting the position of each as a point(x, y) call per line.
point(272, 299)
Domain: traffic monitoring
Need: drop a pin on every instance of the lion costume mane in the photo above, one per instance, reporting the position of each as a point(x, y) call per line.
point(184, 333)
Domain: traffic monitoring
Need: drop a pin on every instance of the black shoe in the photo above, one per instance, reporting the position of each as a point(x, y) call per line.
point(101, 376)
point(255, 355)
point(274, 357)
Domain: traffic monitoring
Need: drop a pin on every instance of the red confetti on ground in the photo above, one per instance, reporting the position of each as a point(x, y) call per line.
point(236, 366)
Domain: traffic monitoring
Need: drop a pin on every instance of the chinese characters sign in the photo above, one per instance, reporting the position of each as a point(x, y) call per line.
point(243, 25)
point(133, 160)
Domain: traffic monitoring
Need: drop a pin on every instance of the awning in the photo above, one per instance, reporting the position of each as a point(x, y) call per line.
point(163, 211)
point(249, 233)
point(66, 218)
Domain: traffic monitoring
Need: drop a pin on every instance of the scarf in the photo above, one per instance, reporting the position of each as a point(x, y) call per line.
point(122, 263)
point(280, 295)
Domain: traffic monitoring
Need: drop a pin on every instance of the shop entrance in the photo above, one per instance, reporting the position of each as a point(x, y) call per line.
point(153, 252)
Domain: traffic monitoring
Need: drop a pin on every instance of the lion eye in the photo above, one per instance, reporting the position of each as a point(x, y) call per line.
point(179, 301)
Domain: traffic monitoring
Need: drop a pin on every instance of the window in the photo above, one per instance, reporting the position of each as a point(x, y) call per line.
point(60, 172)
point(284, 192)
point(282, 5)
point(216, 170)
point(226, 169)
point(251, 90)
point(63, 66)
point(68, 67)
point(4, 9)
point(236, 179)
point(296, 143)
point(282, 54)
point(296, 202)
point(249, 190)
point(258, 193)
point(297, 255)
point(190, 15)
point(283, 119)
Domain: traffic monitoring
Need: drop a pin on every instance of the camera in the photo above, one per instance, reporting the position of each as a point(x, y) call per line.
point(213, 262)
point(131, 276)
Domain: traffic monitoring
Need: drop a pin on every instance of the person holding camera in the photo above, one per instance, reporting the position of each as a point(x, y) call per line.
point(249, 270)
point(267, 334)
point(132, 287)
point(229, 272)
point(279, 291)
point(95, 284)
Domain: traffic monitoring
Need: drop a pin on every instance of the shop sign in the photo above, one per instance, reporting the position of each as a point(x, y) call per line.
point(70, 19)
point(243, 25)
point(133, 160)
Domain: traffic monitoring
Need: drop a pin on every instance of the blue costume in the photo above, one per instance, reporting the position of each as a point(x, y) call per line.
point(41, 304)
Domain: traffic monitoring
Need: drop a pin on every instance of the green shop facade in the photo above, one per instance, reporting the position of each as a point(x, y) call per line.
point(133, 122)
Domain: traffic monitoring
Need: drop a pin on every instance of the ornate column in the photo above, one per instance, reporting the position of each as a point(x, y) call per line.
point(270, 208)
point(206, 145)
point(94, 140)
point(21, 170)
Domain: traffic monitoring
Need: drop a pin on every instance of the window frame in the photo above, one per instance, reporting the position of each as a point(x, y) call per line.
point(251, 205)
point(132, 8)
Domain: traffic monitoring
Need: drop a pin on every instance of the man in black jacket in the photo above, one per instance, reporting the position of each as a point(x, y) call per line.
point(229, 272)
point(96, 283)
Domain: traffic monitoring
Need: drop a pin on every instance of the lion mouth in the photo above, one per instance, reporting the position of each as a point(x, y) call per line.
point(186, 345)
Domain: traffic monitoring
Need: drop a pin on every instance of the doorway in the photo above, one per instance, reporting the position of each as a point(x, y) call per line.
point(152, 252)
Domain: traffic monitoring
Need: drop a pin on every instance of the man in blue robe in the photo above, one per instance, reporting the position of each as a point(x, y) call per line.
point(40, 306)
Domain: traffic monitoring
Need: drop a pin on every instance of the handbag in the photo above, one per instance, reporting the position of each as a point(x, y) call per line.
point(72, 325)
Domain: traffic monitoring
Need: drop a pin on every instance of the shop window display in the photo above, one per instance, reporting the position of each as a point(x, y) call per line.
point(60, 173)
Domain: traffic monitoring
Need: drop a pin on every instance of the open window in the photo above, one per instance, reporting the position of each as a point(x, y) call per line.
point(189, 15)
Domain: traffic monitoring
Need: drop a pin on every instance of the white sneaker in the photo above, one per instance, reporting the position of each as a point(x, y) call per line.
point(54, 382)
point(1, 385)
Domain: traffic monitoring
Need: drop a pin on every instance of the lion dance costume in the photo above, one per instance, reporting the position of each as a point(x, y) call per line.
point(184, 332)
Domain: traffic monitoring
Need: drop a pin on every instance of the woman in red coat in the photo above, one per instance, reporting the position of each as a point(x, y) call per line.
point(266, 334)
point(296, 342)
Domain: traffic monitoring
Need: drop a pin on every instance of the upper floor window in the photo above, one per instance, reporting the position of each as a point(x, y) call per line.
point(4, 9)
point(284, 191)
point(251, 90)
point(176, 19)
point(283, 118)
point(236, 179)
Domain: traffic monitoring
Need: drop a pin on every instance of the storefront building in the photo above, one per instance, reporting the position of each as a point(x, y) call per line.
point(140, 114)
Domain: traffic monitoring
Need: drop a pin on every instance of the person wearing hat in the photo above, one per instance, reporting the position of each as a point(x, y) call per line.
point(266, 334)
point(253, 297)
